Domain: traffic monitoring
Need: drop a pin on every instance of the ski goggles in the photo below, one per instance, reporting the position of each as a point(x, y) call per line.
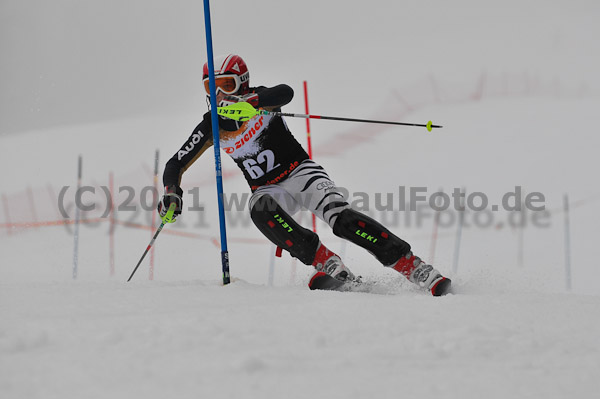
point(228, 84)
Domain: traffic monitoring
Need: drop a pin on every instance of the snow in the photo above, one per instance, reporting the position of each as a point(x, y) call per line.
point(199, 339)
point(512, 117)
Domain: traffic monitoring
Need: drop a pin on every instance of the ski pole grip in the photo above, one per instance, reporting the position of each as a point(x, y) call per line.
point(168, 218)
point(241, 111)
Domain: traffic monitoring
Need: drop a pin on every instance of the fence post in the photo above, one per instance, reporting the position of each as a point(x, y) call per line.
point(77, 217)
point(434, 233)
point(567, 243)
point(32, 206)
point(272, 250)
point(154, 203)
point(111, 231)
point(7, 213)
point(461, 219)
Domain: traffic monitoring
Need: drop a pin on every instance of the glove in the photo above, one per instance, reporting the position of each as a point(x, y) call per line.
point(230, 124)
point(250, 98)
point(172, 195)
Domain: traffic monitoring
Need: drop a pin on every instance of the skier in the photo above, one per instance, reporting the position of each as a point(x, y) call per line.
point(283, 179)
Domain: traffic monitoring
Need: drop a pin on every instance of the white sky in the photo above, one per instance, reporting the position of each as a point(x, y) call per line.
point(69, 61)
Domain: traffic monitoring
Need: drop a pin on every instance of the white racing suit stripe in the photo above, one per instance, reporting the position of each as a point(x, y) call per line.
point(307, 187)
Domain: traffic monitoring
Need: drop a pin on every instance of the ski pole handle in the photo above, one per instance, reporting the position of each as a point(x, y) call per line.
point(168, 218)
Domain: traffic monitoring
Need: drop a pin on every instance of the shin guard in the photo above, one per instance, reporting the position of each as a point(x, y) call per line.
point(282, 230)
point(370, 235)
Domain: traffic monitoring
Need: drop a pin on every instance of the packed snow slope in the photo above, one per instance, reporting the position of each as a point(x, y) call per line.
point(195, 338)
point(513, 84)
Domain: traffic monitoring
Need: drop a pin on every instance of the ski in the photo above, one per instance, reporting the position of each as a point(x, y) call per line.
point(442, 287)
point(323, 281)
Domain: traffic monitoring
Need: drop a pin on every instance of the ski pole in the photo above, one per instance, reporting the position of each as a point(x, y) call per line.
point(168, 218)
point(243, 111)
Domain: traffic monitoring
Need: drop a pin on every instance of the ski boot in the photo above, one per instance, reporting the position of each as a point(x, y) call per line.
point(331, 272)
point(423, 275)
point(331, 264)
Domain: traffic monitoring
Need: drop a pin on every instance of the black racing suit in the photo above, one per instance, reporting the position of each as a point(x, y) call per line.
point(263, 147)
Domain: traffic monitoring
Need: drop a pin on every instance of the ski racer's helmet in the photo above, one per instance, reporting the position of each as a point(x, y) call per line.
point(231, 75)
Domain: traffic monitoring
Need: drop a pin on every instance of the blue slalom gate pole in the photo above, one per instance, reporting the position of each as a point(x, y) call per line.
point(217, 146)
